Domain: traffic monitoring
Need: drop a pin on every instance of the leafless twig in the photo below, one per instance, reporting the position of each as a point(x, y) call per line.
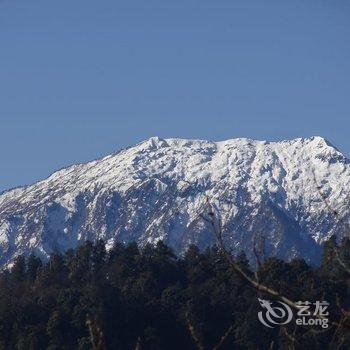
point(214, 221)
point(193, 333)
point(96, 334)
point(223, 338)
point(138, 344)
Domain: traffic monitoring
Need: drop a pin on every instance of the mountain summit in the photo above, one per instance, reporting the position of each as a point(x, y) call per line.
point(156, 190)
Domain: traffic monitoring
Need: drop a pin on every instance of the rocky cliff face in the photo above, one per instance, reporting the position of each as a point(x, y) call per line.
point(156, 190)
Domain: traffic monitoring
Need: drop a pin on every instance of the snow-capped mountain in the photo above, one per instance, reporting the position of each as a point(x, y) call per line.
point(157, 189)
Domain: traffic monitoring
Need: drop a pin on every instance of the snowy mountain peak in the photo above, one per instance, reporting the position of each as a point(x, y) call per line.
point(155, 190)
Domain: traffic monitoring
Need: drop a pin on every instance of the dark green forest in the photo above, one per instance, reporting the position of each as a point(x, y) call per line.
point(131, 298)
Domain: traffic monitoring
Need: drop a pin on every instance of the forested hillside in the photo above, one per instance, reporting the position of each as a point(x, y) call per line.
point(130, 299)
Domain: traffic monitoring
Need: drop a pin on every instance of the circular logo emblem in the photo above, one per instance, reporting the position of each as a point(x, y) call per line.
point(277, 315)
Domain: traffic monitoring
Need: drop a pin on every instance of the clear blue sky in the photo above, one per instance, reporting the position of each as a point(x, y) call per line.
point(80, 79)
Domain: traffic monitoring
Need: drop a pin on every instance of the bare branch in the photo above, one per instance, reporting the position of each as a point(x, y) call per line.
point(138, 344)
point(291, 337)
point(258, 248)
point(193, 333)
point(223, 338)
point(216, 226)
point(96, 334)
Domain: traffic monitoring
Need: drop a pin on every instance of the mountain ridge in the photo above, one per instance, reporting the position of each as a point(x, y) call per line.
point(93, 199)
point(157, 137)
